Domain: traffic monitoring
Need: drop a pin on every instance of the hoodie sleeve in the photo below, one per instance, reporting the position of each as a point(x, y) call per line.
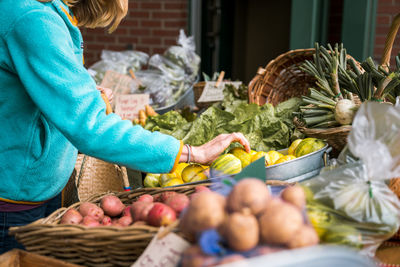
point(44, 59)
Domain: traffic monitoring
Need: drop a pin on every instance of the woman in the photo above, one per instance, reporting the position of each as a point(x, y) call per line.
point(50, 109)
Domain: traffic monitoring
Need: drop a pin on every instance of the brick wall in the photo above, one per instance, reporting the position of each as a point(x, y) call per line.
point(151, 26)
point(386, 11)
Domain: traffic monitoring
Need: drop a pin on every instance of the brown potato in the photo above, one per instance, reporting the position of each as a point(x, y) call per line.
point(205, 211)
point(294, 195)
point(248, 193)
point(240, 231)
point(304, 237)
point(279, 222)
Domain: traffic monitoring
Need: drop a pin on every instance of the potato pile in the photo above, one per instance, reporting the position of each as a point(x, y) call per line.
point(160, 210)
point(247, 218)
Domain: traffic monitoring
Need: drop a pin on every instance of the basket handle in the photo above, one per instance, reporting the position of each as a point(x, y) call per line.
point(385, 61)
point(108, 105)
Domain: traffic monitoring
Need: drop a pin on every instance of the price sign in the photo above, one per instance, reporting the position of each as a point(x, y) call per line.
point(128, 106)
point(164, 252)
point(119, 83)
point(212, 93)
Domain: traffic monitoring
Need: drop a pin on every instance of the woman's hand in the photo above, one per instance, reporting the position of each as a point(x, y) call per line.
point(107, 91)
point(207, 153)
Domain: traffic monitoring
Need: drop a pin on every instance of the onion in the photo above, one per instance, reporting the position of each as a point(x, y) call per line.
point(344, 111)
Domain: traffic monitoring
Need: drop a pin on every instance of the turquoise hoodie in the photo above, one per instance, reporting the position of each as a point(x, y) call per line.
point(50, 107)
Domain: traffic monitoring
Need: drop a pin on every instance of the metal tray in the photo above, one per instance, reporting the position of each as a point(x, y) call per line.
point(301, 168)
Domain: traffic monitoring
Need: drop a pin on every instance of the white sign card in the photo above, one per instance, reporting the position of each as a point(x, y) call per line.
point(164, 252)
point(213, 93)
point(119, 83)
point(128, 106)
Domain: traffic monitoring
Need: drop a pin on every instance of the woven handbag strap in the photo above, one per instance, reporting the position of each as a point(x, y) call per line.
point(120, 169)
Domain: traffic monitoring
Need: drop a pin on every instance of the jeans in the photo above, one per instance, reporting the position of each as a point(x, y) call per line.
point(10, 219)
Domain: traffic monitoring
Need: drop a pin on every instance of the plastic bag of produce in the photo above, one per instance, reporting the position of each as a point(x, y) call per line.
point(154, 83)
point(119, 61)
point(184, 55)
point(351, 204)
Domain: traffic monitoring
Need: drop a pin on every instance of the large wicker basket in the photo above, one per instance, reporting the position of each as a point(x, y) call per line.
point(97, 246)
point(282, 79)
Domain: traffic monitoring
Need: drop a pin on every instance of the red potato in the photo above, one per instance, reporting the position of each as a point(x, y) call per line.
point(140, 210)
point(112, 205)
point(161, 215)
point(127, 211)
point(146, 198)
point(125, 220)
point(106, 221)
point(71, 216)
point(178, 202)
point(201, 188)
point(90, 209)
point(165, 195)
point(90, 221)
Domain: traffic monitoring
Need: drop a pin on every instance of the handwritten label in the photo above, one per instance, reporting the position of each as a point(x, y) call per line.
point(213, 93)
point(165, 252)
point(120, 84)
point(128, 106)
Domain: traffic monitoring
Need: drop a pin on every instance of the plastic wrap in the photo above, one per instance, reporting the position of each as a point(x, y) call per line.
point(119, 62)
point(351, 204)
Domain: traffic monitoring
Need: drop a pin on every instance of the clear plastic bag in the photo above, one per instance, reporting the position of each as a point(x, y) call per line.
point(154, 83)
point(120, 62)
point(351, 204)
point(184, 55)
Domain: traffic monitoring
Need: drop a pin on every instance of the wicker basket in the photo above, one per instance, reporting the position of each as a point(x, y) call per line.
point(198, 90)
point(97, 246)
point(394, 185)
point(282, 79)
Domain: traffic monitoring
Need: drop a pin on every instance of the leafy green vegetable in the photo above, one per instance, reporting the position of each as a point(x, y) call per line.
point(264, 126)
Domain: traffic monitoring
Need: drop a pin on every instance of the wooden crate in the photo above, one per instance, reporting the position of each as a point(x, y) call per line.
point(21, 258)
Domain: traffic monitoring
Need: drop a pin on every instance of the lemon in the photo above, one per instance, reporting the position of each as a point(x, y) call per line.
point(284, 159)
point(258, 155)
point(271, 157)
point(193, 172)
point(293, 146)
point(172, 182)
point(151, 180)
point(179, 169)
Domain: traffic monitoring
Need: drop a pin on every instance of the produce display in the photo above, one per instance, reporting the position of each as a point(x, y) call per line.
point(249, 221)
point(159, 210)
point(231, 163)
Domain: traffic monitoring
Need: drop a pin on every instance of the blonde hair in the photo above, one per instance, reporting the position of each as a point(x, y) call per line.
point(97, 13)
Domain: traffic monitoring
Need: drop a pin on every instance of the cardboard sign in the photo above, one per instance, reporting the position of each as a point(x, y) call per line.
point(128, 106)
point(164, 252)
point(212, 93)
point(120, 84)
